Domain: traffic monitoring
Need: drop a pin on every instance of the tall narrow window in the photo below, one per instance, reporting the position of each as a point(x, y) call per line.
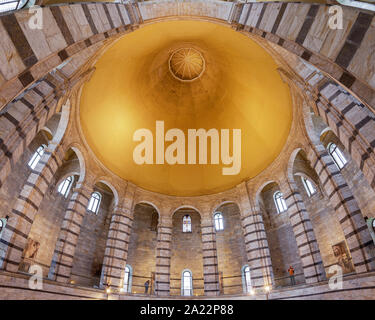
point(279, 202)
point(64, 187)
point(246, 279)
point(3, 222)
point(337, 155)
point(10, 5)
point(309, 186)
point(94, 202)
point(186, 224)
point(36, 157)
point(127, 279)
point(219, 221)
point(187, 283)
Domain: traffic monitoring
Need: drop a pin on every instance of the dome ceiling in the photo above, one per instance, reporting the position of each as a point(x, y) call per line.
point(191, 75)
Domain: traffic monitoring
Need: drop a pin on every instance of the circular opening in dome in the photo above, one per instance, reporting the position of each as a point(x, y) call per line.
point(186, 64)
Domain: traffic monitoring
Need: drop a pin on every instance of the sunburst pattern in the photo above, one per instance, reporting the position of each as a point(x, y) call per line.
point(186, 64)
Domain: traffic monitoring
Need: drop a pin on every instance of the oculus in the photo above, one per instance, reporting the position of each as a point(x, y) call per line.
point(186, 64)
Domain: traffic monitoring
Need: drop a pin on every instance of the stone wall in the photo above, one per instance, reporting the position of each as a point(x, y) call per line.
point(231, 252)
point(186, 252)
point(142, 246)
point(326, 226)
point(355, 179)
point(281, 240)
point(89, 254)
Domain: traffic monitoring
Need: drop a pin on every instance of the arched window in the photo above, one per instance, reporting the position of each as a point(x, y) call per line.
point(128, 279)
point(3, 222)
point(10, 5)
point(246, 279)
point(279, 202)
point(337, 155)
point(94, 202)
point(219, 221)
point(309, 186)
point(36, 157)
point(187, 283)
point(64, 187)
point(186, 224)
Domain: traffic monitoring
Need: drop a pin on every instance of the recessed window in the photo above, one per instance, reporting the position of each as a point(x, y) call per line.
point(10, 5)
point(127, 279)
point(186, 224)
point(246, 279)
point(36, 157)
point(64, 187)
point(94, 202)
point(187, 283)
point(309, 186)
point(219, 221)
point(3, 222)
point(337, 155)
point(279, 202)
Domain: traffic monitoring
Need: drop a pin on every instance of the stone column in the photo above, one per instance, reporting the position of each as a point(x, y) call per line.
point(210, 263)
point(63, 256)
point(16, 233)
point(116, 251)
point(308, 248)
point(163, 257)
point(258, 253)
point(346, 208)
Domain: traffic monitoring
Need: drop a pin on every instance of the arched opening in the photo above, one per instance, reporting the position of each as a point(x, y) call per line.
point(246, 280)
point(90, 249)
point(142, 247)
point(281, 241)
point(186, 252)
point(230, 246)
point(187, 283)
point(128, 278)
point(326, 226)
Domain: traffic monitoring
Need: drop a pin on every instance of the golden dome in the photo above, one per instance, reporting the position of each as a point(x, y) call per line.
point(133, 87)
point(186, 64)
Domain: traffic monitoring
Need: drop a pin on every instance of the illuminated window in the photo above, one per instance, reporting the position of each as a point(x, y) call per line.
point(128, 279)
point(219, 221)
point(186, 224)
point(36, 156)
point(246, 279)
point(279, 202)
point(3, 222)
point(64, 187)
point(309, 186)
point(187, 283)
point(94, 202)
point(337, 155)
point(10, 5)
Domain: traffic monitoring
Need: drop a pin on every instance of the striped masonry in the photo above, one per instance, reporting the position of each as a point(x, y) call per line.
point(116, 251)
point(210, 262)
point(346, 207)
point(163, 258)
point(63, 256)
point(258, 254)
point(272, 21)
point(27, 205)
point(307, 244)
